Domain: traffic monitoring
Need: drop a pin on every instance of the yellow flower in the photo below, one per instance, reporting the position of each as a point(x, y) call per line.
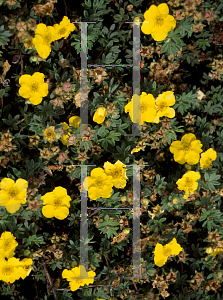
point(64, 28)
point(75, 283)
point(99, 115)
point(25, 267)
point(98, 184)
point(163, 102)
point(13, 194)
point(8, 244)
point(10, 270)
point(56, 203)
point(148, 110)
point(66, 135)
point(44, 36)
point(28, 43)
point(156, 211)
point(188, 183)
point(162, 253)
point(33, 87)
point(136, 150)
point(217, 251)
point(207, 157)
point(158, 22)
point(187, 150)
point(75, 121)
point(118, 172)
point(49, 134)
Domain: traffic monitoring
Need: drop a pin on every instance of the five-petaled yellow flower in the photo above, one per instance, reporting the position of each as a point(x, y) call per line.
point(163, 102)
point(188, 183)
point(162, 253)
point(207, 157)
point(99, 115)
point(44, 36)
point(49, 134)
point(148, 109)
point(13, 194)
point(118, 172)
point(98, 184)
point(56, 203)
point(78, 277)
point(64, 28)
point(187, 150)
point(158, 22)
point(33, 87)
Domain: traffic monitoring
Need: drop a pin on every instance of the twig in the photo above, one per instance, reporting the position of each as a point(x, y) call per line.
point(49, 279)
point(65, 5)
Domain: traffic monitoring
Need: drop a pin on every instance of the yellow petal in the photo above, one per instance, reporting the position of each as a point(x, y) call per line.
point(36, 98)
point(169, 23)
point(25, 79)
point(61, 213)
point(151, 12)
point(38, 77)
point(163, 9)
point(48, 211)
point(147, 26)
point(159, 34)
point(25, 91)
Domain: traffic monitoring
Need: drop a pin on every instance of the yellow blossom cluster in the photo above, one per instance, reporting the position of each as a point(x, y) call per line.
point(188, 151)
point(45, 35)
point(12, 268)
point(100, 183)
point(152, 109)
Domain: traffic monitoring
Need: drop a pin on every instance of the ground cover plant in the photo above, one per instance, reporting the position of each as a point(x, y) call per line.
point(176, 161)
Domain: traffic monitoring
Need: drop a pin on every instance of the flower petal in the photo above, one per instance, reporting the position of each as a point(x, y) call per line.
point(48, 211)
point(36, 98)
point(25, 79)
point(151, 12)
point(38, 77)
point(169, 23)
point(147, 26)
point(163, 9)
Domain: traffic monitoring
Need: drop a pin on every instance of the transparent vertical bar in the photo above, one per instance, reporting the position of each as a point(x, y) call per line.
point(136, 111)
point(84, 226)
point(84, 81)
point(136, 243)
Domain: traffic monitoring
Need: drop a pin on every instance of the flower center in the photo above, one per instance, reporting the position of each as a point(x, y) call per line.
point(208, 162)
point(189, 182)
point(34, 87)
point(13, 192)
point(167, 251)
point(116, 173)
point(50, 134)
point(57, 202)
point(7, 270)
point(159, 20)
point(48, 38)
point(185, 146)
point(99, 182)
point(62, 31)
point(162, 106)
